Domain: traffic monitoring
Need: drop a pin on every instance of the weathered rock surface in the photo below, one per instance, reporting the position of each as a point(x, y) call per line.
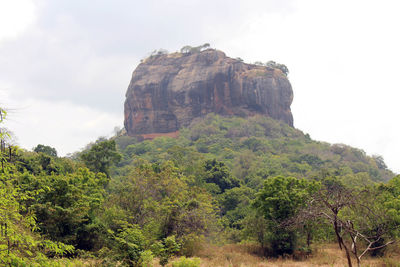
point(169, 91)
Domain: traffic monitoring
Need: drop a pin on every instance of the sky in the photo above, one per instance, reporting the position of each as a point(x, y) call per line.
point(65, 65)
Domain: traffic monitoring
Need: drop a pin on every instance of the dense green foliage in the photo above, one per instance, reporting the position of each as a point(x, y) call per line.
point(222, 180)
point(51, 151)
point(234, 158)
point(280, 199)
point(101, 156)
point(256, 148)
point(20, 244)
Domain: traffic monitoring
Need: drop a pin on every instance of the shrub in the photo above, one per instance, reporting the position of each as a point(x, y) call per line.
point(166, 249)
point(190, 244)
point(146, 258)
point(130, 244)
point(185, 262)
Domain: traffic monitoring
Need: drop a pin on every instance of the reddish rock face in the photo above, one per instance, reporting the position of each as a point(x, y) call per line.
point(168, 91)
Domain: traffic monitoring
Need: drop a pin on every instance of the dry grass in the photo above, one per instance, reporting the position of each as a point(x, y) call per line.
point(249, 256)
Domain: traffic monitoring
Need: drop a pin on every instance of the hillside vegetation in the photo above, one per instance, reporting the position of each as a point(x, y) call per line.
point(256, 148)
point(254, 181)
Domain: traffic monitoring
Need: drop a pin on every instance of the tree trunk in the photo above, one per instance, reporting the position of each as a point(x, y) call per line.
point(348, 256)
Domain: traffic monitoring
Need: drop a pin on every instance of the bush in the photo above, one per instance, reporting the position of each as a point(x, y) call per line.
point(166, 249)
point(185, 262)
point(146, 258)
point(190, 244)
point(130, 243)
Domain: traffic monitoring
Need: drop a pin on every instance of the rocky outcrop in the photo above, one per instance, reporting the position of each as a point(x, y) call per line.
point(168, 91)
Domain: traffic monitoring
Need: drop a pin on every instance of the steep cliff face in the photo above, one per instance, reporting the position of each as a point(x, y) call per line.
point(169, 91)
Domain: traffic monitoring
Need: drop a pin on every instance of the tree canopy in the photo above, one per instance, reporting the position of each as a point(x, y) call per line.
point(51, 151)
point(223, 180)
point(101, 156)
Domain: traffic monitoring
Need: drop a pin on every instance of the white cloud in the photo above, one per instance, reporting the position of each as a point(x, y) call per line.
point(342, 55)
point(62, 125)
point(15, 17)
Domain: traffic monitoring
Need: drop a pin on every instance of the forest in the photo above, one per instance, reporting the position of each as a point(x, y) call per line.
point(225, 181)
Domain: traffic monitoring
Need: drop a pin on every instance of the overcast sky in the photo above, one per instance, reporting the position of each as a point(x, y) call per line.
point(65, 65)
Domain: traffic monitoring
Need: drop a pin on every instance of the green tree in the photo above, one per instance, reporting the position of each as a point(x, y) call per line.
point(19, 244)
point(187, 49)
point(48, 150)
point(217, 173)
point(158, 199)
point(235, 204)
point(130, 245)
point(282, 67)
point(166, 249)
point(101, 156)
point(278, 201)
point(66, 206)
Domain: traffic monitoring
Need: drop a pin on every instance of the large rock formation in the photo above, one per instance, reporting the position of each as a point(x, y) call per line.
point(168, 91)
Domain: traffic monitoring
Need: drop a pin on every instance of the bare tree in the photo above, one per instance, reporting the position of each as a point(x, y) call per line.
point(358, 217)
